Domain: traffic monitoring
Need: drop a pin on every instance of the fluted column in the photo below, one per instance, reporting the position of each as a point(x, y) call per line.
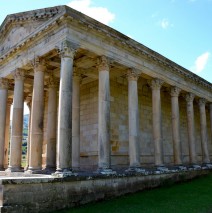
point(3, 110)
point(104, 114)
point(156, 119)
point(37, 113)
point(64, 143)
point(203, 124)
point(7, 134)
point(134, 150)
point(76, 121)
point(51, 124)
point(17, 123)
point(190, 123)
point(29, 104)
point(175, 91)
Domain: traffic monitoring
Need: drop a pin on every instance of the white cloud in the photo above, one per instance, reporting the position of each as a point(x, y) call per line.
point(201, 62)
point(165, 23)
point(101, 14)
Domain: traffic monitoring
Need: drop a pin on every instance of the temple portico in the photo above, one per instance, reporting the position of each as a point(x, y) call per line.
point(98, 100)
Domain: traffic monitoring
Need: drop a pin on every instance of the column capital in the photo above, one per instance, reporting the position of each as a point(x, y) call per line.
point(175, 91)
point(19, 74)
point(51, 81)
point(67, 49)
point(3, 83)
point(155, 83)
point(202, 101)
point(132, 75)
point(103, 63)
point(189, 97)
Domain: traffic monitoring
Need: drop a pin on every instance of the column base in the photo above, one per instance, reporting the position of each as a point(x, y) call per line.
point(180, 167)
point(208, 165)
point(34, 170)
point(62, 173)
point(161, 169)
point(136, 170)
point(195, 167)
point(106, 171)
point(14, 169)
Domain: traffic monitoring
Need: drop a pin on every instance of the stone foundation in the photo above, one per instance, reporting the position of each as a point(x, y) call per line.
point(45, 194)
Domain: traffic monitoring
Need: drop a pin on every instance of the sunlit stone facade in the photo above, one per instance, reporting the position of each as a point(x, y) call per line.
point(98, 99)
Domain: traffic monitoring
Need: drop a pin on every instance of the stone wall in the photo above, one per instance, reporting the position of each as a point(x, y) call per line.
point(119, 125)
point(48, 194)
point(89, 124)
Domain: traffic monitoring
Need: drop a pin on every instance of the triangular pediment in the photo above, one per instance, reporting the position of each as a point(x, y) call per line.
point(17, 27)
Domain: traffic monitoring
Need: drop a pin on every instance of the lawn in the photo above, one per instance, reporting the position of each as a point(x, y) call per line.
point(189, 197)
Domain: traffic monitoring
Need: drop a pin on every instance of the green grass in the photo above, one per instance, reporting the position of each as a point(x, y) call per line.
point(189, 197)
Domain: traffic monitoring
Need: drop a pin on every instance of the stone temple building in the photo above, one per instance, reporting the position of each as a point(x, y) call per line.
point(98, 99)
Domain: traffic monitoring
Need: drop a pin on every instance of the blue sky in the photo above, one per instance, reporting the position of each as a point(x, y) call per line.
point(181, 30)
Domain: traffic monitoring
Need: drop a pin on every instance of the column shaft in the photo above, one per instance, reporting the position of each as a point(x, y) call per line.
point(36, 128)
point(156, 119)
point(64, 143)
point(134, 150)
point(7, 134)
point(51, 125)
point(17, 122)
point(190, 123)
point(76, 122)
point(104, 114)
point(210, 106)
point(3, 110)
point(203, 124)
point(176, 125)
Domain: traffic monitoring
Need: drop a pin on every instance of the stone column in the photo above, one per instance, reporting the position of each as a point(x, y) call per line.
point(190, 123)
point(76, 121)
point(210, 109)
point(64, 143)
point(156, 119)
point(51, 124)
point(17, 123)
point(7, 134)
point(36, 128)
point(175, 91)
point(104, 115)
point(3, 110)
point(29, 104)
point(134, 150)
point(210, 106)
point(203, 123)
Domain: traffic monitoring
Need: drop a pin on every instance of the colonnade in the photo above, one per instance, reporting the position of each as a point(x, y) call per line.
point(63, 149)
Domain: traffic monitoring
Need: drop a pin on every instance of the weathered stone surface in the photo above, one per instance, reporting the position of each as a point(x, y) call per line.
point(104, 120)
point(49, 194)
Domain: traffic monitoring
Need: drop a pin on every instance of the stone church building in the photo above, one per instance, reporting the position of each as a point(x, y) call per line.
point(98, 99)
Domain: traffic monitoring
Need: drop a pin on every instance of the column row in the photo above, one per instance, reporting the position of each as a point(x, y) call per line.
point(64, 148)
